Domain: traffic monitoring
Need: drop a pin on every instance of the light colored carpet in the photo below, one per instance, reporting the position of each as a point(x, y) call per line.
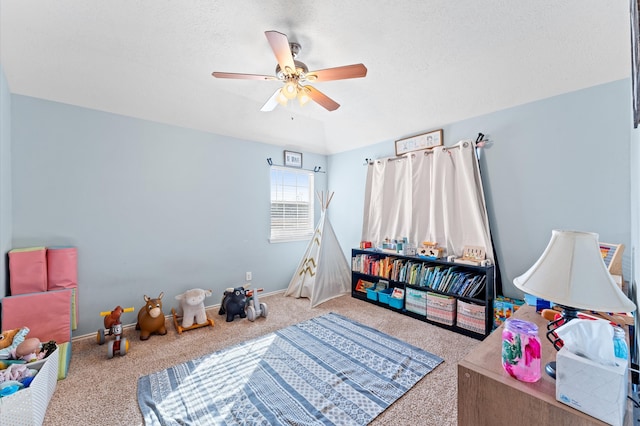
point(102, 391)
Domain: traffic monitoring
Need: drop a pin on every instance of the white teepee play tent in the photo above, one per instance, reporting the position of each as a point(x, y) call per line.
point(324, 272)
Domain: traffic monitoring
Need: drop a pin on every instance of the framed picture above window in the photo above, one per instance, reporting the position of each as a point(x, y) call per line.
point(293, 159)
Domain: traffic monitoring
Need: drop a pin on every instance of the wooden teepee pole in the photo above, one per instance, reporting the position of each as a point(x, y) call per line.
point(329, 200)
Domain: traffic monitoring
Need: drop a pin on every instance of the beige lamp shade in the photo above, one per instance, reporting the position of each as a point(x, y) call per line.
point(571, 272)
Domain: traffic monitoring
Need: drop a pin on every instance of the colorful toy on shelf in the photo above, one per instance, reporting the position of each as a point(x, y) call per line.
point(430, 250)
point(113, 327)
point(194, 314)
point(233, 303)
point(151, 319)
point(255, 308)
point(471, 256)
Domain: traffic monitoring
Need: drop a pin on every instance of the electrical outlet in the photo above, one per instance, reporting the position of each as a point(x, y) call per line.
point(248, 276)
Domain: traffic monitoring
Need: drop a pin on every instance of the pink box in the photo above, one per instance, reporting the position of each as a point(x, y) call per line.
point(47, 314)
point(28, 270)
point(62, 267)
point(62, 272)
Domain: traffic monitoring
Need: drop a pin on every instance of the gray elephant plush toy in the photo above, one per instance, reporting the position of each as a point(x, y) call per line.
point(233, 303)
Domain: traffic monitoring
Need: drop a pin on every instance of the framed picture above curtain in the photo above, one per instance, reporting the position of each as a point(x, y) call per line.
point(635, 60)
point(418, 142)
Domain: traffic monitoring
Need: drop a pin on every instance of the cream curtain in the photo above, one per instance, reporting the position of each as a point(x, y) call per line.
point(433, 195)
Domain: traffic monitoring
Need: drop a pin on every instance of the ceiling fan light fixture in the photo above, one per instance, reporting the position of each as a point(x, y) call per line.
point(292, 72)
point(290, 89)
point(281, 98)
point(303, 95)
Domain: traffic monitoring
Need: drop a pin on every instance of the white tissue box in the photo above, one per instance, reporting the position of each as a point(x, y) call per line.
point(595, 389)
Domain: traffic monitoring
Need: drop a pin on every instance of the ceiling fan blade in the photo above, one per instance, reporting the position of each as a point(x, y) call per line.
point(242, 76)
point(338, 73)
point(271, 103)
point(322, 99)
point(280, 45)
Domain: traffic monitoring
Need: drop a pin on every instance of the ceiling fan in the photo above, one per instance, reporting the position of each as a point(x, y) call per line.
point(296, 75)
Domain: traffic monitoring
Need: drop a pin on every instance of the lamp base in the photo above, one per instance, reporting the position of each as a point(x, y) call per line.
point(550, 368)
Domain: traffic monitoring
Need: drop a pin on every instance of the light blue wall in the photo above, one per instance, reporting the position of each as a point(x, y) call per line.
point(560, 163)
point(158, 208)
point(150, 207)
point(5, 183)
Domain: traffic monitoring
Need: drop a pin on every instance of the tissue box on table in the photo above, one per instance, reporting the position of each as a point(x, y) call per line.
point(593, 388)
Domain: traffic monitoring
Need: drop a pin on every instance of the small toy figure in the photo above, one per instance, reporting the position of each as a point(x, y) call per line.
point(113, 327)
point(255, 308)
point(192, 304)
point(233, 303)
point(29, 350)
point(151, 318)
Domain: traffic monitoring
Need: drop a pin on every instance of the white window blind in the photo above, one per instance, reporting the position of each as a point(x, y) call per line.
point(291, 204)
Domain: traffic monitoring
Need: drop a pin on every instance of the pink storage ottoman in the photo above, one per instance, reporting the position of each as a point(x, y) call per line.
point(28, 270)
point(62, 273)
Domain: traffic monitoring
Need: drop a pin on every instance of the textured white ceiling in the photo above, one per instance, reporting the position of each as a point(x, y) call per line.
point(430, 62)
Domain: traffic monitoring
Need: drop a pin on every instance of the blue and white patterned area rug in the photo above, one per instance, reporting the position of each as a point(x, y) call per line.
point(326, 370)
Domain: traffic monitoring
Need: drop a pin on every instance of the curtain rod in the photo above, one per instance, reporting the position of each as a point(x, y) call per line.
point(316, 169)
point(480, 142)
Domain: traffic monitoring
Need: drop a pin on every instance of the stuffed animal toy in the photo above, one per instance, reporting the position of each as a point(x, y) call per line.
point(233, 303)
point(192, 304)
point(151, 318)
point(29, 350)
point(10, 339)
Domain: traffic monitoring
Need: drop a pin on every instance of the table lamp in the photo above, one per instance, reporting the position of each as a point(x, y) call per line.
point(572, 274)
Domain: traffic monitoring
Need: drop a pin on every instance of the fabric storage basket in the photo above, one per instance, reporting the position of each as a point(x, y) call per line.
point(416, 301)
point(441, 308)
point(28, 406)
point(471, 316)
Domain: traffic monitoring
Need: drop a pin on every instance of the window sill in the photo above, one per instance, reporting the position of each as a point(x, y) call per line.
point(289, 239)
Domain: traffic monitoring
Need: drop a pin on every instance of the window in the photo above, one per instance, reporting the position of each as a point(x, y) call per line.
point(291, 204)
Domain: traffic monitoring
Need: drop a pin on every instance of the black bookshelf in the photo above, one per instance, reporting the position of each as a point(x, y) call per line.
point(371, 266)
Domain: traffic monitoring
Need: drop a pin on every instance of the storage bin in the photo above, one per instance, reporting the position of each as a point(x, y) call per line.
point(384, 295)
point(441, 308)
point(416, 301)
point(471, 316)
point(396, 303)
point(372, 294)
point(28, 406)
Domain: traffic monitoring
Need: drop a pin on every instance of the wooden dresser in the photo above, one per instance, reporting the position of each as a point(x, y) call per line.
point(487, 395)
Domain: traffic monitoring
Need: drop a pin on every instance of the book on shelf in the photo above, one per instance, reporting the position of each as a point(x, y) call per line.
point(381, 285)
point(398, 293)
point(478, 287)
point(473, 286)
point(363, 285)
